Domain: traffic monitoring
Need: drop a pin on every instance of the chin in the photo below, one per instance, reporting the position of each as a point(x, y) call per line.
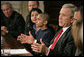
point(34, 21)
point(60, 25)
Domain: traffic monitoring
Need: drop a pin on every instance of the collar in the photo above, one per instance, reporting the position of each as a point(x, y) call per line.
point(65, 28)
point(34, 27)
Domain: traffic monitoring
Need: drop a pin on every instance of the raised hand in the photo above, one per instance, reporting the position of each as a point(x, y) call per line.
point(25, 39)
point(40, 48)
point(4, 30)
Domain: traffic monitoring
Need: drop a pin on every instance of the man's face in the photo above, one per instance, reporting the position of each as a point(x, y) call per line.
point(7, 10)
point(32, 4)
point(40, 22)
point(64, 17)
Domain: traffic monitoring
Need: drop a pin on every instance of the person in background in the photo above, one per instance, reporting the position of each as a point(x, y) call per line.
point(33, 19)
point(11, 21)
point(77, 31)
point(63, 43)
point(78, 14)
point(34, 29)
point(31, 5)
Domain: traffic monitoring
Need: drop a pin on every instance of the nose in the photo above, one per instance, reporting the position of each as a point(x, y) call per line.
point(6, 11)
point(60, 17)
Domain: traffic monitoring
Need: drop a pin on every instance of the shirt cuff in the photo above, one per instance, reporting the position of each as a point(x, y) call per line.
point(35, 41)
point(48, 52)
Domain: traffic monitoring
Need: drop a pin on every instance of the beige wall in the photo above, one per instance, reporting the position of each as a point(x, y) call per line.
point(22, 8)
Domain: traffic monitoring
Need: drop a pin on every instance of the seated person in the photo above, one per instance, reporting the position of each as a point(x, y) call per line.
point(11, 22)
point(77, 31)
point(45, 33)
point(31, 26)
point(78, 14)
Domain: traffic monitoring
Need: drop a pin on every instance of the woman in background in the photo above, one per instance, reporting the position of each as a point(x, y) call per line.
point(77, 31)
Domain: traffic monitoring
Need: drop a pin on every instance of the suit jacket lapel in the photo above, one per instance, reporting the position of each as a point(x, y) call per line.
point(63, 36)
point(54, 37)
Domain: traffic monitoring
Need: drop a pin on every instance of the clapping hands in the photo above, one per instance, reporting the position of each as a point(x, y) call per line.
point(26, 39)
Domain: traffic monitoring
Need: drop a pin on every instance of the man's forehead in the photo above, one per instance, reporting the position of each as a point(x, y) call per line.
point(66, 9)
point(5, 6)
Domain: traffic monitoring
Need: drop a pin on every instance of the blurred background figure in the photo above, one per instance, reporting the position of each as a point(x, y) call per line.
point(33, 28)
point(31, 5)
point(11, 21)
point(78, 14)
point(77, 31)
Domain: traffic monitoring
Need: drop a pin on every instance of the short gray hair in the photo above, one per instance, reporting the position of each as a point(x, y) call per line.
point(6, 3)
point(72, 7)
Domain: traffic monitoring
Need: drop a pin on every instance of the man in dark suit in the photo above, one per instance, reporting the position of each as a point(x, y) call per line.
point(12, 23)
point(63, 43)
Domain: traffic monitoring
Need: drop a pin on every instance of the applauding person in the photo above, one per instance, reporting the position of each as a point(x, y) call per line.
point(45, 33)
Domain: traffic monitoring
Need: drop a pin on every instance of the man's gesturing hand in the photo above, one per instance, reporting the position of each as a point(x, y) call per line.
point(40, 48)
point(26, 39)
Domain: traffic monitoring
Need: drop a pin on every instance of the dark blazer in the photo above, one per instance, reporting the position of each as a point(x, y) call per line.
point(65, 45)
point(15, 24)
